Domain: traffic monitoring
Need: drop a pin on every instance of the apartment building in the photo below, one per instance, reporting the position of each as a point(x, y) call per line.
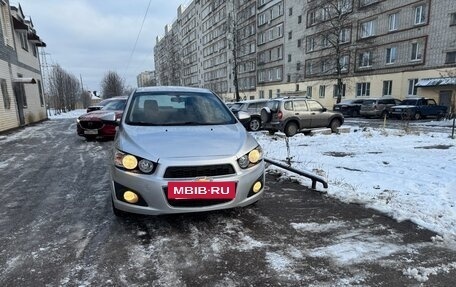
point(22, 101)
point(379, 48)
point(390, 49)
point(146, 79)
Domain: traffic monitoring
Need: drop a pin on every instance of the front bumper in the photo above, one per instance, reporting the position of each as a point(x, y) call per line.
point(152, 189)
point(106, 130)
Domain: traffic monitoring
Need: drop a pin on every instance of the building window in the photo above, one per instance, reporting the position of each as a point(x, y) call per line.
point(450, 58)
point(452, 19)
point(299, 43)
point(299, 19)
point(391, 55)
point(392, 22)
point(270, 94)
point(278, 93)
point(363, 89)
point(298, 66)
point(24, 41)
point(297, 87)
point(311, 18)
point(412, 89)
point(335, 89)
point(290, 35)
point(290, 11)
point(344, 36)
point(343, 61)
point(40, 92)
point(289, 57)
point(365, 59)
point(6, 98)
point(322, 91)
point(288, 78)
point(309, 92)
point(261, 94)
point(387, 88)
point(416, 52)
point(420, 16)
point(367, 29)
point(310, 44)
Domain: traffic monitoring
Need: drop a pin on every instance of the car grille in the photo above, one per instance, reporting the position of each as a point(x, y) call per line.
point(91, 124)
point(198, 171)
point(193, 202)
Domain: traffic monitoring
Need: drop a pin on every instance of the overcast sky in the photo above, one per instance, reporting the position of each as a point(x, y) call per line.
point(91, 37)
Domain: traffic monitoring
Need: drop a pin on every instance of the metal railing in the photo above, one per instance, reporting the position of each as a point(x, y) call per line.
point(315, 178)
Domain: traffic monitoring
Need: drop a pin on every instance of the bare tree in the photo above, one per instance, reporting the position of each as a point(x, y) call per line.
point(234, 46)
point(112, 85)
point(331, 21)
point(86, 99)
point(63, 90)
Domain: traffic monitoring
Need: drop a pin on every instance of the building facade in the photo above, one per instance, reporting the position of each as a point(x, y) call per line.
point(377, 48)
point(146, 79)
point(22, 101)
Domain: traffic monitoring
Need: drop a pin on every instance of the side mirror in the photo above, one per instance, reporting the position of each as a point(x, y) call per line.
point(324, 109)
point(243, 117)
point(110, 118)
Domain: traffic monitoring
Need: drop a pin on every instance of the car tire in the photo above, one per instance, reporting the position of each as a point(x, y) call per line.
point(334, 125)
point(417, 116)
point(291, 129)
point(254, 124)
point(266, 115)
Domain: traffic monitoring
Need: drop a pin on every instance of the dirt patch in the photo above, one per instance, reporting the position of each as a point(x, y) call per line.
point(440, 146)
point(339, 154)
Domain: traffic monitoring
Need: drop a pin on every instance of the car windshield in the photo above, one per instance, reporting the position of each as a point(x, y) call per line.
point(177, 109)
point(409, 102)
point(115, 105)
point(236, 106)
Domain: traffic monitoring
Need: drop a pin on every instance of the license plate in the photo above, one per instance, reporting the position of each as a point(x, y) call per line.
point(91, 132)
point(202, 190)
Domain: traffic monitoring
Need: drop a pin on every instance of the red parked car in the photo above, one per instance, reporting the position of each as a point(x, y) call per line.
point(101, 123)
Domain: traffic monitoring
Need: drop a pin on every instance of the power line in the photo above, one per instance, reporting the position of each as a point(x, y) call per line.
point(137, 38)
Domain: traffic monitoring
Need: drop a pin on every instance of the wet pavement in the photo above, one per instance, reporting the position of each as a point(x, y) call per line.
point(57, 229)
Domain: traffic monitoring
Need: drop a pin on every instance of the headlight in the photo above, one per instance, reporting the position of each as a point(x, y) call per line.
point(251, 158)
point(133, 163)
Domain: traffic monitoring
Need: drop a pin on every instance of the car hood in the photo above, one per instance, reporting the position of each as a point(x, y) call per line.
point(153, 142)
point(100, 114)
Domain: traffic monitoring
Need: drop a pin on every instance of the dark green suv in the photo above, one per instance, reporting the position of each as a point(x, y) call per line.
point(292, 115)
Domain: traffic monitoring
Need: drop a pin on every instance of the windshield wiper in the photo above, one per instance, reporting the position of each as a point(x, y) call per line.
point(141, 124)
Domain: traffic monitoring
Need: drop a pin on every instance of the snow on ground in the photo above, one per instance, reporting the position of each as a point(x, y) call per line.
point(406, 175)
point(68, 115)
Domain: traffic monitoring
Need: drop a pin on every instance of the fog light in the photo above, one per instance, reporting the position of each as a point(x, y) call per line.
point(257, 186)
point(129, 162)
point(130, 197)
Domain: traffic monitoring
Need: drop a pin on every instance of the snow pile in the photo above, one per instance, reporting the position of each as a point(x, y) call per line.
point(402, 174)
point(68, 115)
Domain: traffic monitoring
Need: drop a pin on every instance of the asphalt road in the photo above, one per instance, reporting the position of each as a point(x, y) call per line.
point(57, 229)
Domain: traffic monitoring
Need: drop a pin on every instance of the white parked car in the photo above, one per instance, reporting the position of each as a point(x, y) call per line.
point(180, 150)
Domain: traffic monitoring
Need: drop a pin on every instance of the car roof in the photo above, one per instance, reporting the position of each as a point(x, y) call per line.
point(253, 101)
point(172, 89)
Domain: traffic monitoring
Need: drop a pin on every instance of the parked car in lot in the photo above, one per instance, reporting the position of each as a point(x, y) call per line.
point(417, 108)
point(100, 123)
point(291, 115)
point(377, 107)
point(180, 150)
point(349, 107)
point(253, 108)
point(99, 106)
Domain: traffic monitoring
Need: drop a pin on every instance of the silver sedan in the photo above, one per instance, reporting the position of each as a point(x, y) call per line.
point(180, 150)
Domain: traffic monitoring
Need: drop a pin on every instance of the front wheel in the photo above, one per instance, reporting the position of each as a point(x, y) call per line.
point(254, 124)
point(291, 129)
point(334, 125)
